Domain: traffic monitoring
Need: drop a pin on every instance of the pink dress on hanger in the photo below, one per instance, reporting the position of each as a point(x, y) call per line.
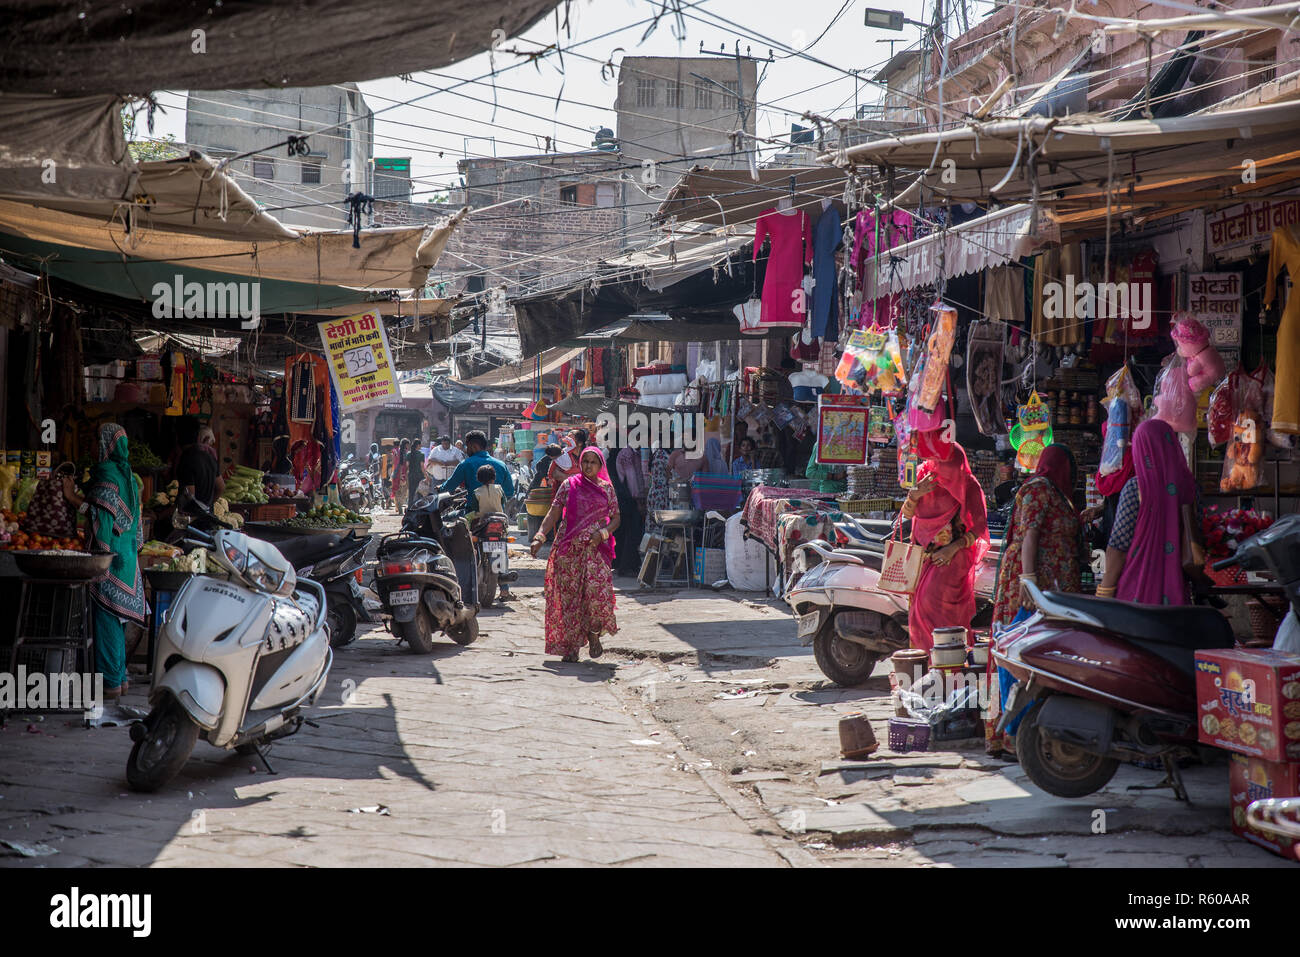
point(895, 230)
point(792, 248)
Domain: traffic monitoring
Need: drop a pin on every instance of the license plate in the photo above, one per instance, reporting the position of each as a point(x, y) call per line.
point(494, 546)
point(408, 596)
point(808, 623)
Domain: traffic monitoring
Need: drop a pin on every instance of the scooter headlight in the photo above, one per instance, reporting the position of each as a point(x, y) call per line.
point(264, 577)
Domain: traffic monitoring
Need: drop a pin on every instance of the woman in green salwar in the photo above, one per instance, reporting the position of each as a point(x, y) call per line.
point(114, 526)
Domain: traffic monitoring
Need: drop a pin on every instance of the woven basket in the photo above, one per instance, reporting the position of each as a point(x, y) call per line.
point(1264, 621)
point(1227, 576)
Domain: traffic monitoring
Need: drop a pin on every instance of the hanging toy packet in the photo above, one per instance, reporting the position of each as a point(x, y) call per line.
point(1241, 461)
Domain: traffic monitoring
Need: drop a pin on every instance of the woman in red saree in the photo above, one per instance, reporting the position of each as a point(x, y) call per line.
point(950, 520)
point(579, 587)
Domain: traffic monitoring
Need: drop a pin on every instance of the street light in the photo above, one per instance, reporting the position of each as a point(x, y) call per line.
point(884, 19)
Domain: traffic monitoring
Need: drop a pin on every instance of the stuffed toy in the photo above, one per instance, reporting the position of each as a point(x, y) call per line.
point(1245, 451)
point(1204, 364)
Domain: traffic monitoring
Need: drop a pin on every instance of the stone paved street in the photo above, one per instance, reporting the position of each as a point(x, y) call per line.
point(705, 736)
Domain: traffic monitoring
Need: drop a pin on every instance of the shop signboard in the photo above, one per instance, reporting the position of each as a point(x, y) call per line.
point(359, 360)
point(1215, 299)
point(841, 430)
point(1249, 224)
point(499, 406)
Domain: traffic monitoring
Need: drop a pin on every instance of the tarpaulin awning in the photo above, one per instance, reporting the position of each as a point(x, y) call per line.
point(589, 407)
point(681, 256)
point(722, 197)
point(523, 373)
point(71, 47)
point(389, 258)
point(676, 330)
point(991, 240)
point(70, 155)
point(136, 279)
point(1075, 157)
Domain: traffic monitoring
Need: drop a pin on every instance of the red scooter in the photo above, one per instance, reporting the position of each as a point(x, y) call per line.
point(1101, 681)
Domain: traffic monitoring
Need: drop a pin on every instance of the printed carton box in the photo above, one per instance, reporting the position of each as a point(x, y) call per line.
point(1249, 702)
point(1250, 779)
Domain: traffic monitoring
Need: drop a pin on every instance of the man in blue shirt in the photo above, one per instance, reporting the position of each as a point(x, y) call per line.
point(466, 473)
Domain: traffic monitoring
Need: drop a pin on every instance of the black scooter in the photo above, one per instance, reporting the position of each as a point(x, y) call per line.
point(425, 572)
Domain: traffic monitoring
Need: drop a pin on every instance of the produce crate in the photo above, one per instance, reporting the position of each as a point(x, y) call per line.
point(267, 513)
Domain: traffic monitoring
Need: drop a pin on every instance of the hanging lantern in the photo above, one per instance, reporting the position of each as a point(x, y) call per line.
point(1032, 432)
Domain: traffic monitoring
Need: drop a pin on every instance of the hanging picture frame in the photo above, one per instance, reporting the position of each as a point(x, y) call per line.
point(841, 431)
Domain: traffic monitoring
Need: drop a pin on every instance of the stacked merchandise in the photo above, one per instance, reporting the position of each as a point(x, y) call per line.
point(886, 468)
point(661, 390)
point(861, 481)
point(1250, 704)
point(984, 466)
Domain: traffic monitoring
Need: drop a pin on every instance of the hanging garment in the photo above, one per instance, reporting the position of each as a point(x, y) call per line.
point(1285, 254)
point(302, 393)
point(1004, 295)
point(879, 305)
point(828, 236)
point(984, 376)
point(1064, 267)
point(784, 303)
point(939, 350)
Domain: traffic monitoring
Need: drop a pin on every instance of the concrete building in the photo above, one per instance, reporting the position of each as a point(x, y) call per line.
point(685, 109)
point(298, 190)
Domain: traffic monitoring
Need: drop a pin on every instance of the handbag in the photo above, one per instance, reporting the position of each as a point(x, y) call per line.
point(901, 568)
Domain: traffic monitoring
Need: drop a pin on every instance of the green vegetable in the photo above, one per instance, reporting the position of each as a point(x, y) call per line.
point(142, 457)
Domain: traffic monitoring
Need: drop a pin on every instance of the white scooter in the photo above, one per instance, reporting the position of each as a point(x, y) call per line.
point(241, 652)
point(848, 620)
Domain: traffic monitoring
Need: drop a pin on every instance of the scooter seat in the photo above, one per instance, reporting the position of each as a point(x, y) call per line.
point(870, 558)
point(307, 548)
point(1182, 626)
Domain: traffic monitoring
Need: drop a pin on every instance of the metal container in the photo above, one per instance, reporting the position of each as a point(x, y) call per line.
point(72, 566)
point(949, 654)
point(979, 654)
point(675, 516)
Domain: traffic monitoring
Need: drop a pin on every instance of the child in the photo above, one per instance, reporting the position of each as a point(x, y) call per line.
point(488, 499)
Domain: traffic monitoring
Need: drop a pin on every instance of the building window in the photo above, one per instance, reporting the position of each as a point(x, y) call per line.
point(569, 195)
point(673, 93)
point(311, 174)
point(645, 91)
point(1261, 67)
point(729, 101)
point(703, 96)
point(264, 169)
point(606, 194)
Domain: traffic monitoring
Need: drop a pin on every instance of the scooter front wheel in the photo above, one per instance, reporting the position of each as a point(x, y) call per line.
point(165, 748)
point(342, 620)
point(1061, 769)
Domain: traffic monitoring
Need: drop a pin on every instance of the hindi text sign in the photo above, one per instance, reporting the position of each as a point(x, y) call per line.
point(357, 351)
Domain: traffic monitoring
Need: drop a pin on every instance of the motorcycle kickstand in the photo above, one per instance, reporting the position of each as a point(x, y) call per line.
point(1173, 779)
point(261, 751)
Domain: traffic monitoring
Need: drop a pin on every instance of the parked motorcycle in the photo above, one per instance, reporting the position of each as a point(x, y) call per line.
point(850, 622)
point(334, 562)
point(354, 486)
point(242, 651)
point(492, 544)
point(331, 561)
point(425, 571)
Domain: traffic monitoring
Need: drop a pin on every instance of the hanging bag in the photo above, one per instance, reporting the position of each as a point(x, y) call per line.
point(901, 568)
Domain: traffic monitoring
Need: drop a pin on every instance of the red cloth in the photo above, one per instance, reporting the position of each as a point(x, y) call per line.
point(945, 594)
point(1056, 464)
point(1113, 483)
point(792, 248)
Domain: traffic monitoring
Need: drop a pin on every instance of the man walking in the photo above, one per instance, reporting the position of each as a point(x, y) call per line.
point(443, 459)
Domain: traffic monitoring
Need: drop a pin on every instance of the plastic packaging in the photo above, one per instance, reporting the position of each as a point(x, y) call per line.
point(1245, 452)
point(1174, 400)
point(1117, 437)
point(1221, 413)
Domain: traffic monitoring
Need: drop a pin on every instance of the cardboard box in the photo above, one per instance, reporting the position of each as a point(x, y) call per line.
point(1250, 779)
point(1248, 701)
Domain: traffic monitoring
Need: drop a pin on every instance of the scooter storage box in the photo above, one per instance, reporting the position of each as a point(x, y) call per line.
point(908, 734)
point(1250, 779)
point(1248, 701)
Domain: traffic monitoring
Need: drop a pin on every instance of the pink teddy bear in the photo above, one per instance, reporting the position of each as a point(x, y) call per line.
point(1204, 364)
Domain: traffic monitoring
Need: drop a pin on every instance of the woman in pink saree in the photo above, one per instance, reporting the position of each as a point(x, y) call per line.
point(950, 519)
point(579, 588)
point(1144, 554)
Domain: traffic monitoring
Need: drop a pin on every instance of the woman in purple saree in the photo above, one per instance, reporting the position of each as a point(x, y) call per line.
point(1144, 554)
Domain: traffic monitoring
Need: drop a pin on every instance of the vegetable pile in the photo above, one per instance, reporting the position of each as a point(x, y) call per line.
point(245, 485)
point(142, 457)
point(325, 516)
